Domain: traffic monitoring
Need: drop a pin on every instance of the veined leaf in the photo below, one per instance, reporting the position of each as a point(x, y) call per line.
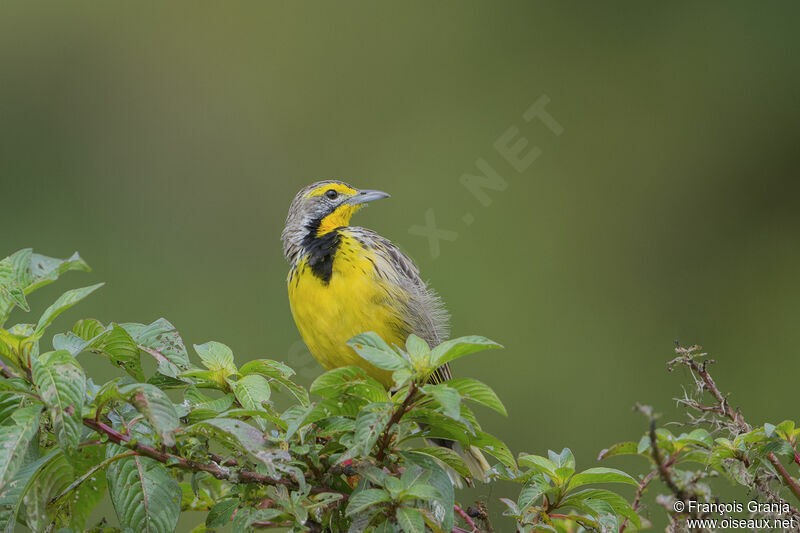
point(145, 497)
point(565, 459)
point(9, 403)
point(366, 498)
point(533, 489)
point(13, 491)
point(601, 475)
point(370, 423)
point(64, 302)
point(240, 433)
point(156, 407)
point(617, 503)
point(455, 348)
point(15, 434)
point(474, 390)
point(217, 358)
point(198, 400)
point(349, 380)
point(374, 350)
point(538, 463)
point(28, 272)
point(495, 447)
point(410, 519)
point(268, 368)
point(621, 448)
point(113, 342)
point(150, 401)
point(220, 515)
point(252, 391)
point(161, 341)
point(442, 507)
point(55, 476)
point(448, 398)
point(419, 351)
point(448, 457)
point(62, 386)
point(11, 293)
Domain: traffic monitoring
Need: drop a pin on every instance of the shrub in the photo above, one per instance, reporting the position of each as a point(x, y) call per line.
point(351, 456)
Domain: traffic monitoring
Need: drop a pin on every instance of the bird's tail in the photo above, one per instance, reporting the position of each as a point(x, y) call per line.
point(474, 459)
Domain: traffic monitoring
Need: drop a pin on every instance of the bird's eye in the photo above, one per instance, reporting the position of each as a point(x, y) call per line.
point(332, 194)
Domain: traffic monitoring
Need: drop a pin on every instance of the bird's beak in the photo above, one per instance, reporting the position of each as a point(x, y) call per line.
point(367, 195)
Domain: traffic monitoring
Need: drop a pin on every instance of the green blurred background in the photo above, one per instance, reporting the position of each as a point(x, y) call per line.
point(165, 142)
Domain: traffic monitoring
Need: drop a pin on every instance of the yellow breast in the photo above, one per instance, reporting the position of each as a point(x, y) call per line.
point(354, 300)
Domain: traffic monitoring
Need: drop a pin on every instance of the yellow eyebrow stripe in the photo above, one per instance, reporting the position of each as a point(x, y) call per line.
point(338, 187)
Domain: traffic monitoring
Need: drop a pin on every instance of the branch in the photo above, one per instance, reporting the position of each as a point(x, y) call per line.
point(7, 372)
point(176, 461)
point(723, 407)
point(398, 413)
point(637, 500)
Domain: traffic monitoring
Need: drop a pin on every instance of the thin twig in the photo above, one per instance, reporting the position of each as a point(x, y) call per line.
point(724, 408)
point(90, 473)
point(176, 461)
point(398, 413)
point(637, 500)
point(466, 518)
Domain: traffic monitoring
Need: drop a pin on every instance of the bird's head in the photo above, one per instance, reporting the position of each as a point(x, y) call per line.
point(319, 209)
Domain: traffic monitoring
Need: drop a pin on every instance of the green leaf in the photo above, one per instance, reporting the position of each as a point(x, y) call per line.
point(374, 350)
point(244, 435)
point(267, 367)
point(698, 436)
point(198, 400)
point(565, 459)
point(13, 491)
point(15, 435)
point(349, 380)
point(11, 293)
point(448, 398)
point(161, 341)
point(419, 351)
point(495, 447)
point(55, 476)
point(9, 402)
point(366, 498)
point(145, 497)
point(617, 502)
point(370, 423)
point(64, 302)
point(220, 515)
point(113, 342)
point(217, 358)
point(247, 516)
point(539, 464)
point(474, 390)
point(533, 489)
point(411, 520)
point(644, 445)
point(601, 475)
point(252, 391)
point(276, 372)
point(448, 457)
point(29, 271)
point(442, 507)
point(62, 386)
point(455, 348)
point(155, 406)
point(621, 448)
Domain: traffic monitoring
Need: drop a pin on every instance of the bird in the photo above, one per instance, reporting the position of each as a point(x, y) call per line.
point(345, 280)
